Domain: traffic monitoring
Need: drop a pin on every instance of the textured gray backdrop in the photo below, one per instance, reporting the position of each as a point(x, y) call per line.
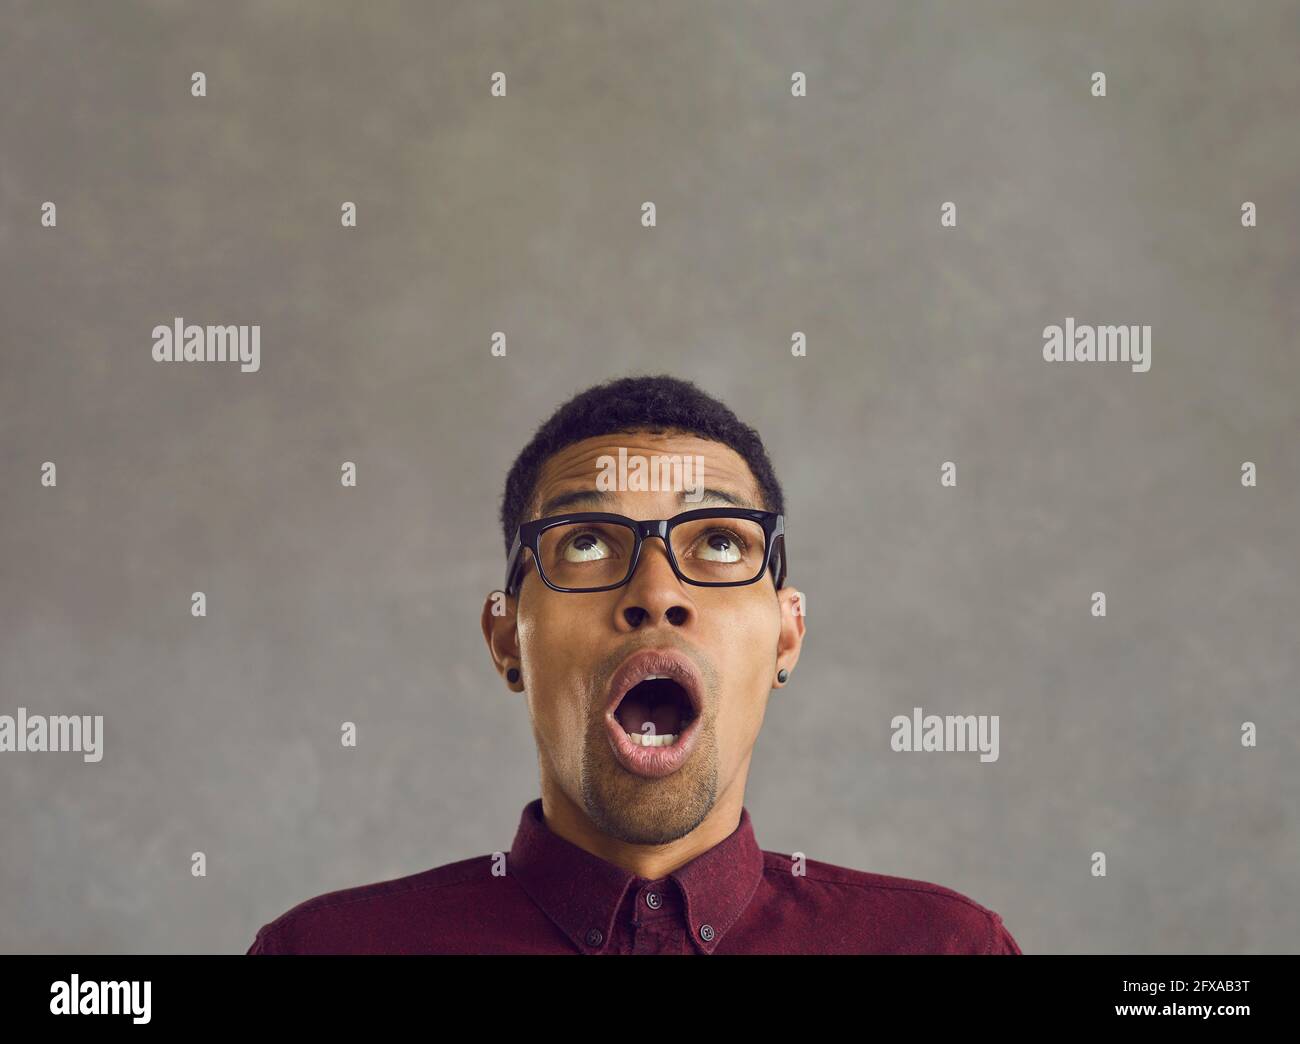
point(775, 214)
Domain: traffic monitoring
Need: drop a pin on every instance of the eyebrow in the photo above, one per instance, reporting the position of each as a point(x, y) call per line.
point(600, 499)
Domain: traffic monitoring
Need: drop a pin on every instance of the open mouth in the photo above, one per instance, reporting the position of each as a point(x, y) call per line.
point(655, 711)
point(653, 714)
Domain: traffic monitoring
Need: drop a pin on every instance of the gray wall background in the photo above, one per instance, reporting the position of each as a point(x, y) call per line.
point(775, 214)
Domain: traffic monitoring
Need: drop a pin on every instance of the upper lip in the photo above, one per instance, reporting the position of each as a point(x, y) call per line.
point(646, 662)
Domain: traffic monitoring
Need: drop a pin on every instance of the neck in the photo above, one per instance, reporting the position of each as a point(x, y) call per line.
point(568, 820)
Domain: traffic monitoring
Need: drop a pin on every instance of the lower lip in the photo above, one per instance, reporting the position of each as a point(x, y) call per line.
point(651, 762)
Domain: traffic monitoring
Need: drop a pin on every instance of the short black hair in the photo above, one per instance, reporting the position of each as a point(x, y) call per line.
point(659, 404)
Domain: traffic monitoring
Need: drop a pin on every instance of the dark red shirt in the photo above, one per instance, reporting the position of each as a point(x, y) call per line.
point(550, 896)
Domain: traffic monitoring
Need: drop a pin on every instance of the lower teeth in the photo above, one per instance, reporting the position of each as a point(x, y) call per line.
point(667, 739)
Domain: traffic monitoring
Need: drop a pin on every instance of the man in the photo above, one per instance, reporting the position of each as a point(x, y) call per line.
point(645, 619)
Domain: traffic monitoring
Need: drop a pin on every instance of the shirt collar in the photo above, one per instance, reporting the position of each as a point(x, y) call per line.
point(582, 893)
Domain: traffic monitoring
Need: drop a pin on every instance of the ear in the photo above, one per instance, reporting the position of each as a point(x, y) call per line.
point(794, 609)
point(501, 634)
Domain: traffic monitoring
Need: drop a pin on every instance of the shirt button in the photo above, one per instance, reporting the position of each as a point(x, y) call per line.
point(653, 901)
point(595, 937)
point(706, 932)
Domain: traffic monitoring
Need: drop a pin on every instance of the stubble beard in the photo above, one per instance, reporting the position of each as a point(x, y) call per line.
point(641, 811)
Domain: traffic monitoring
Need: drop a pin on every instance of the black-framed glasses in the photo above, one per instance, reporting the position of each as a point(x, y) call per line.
point(598, 551)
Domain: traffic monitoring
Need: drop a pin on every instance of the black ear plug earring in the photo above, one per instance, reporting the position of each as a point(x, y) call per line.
point(512, 675)
point(782, 675)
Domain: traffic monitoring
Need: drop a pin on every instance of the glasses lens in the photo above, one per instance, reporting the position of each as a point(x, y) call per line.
point(585, 555)
point(719, 550)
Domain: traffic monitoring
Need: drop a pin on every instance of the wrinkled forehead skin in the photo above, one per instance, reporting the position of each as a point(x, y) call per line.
point(714, 470)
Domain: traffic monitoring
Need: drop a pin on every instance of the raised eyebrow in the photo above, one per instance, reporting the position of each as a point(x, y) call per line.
point(578, 497)
point(726, 498)
point(574, 498)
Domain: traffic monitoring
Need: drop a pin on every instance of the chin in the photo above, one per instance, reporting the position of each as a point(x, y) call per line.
point(648, 811)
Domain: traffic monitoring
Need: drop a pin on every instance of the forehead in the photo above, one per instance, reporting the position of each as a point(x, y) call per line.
point(711, 466)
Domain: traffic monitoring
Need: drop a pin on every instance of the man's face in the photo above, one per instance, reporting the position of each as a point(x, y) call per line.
point(569, 646)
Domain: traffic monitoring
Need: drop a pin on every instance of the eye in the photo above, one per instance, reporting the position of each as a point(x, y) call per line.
point(720, 545)
point(585, 547)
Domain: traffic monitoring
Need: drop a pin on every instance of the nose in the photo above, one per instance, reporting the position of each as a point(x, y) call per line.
point(654, 593)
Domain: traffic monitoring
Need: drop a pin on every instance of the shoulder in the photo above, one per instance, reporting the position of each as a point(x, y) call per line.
point(384, 916)
point(884, 913)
